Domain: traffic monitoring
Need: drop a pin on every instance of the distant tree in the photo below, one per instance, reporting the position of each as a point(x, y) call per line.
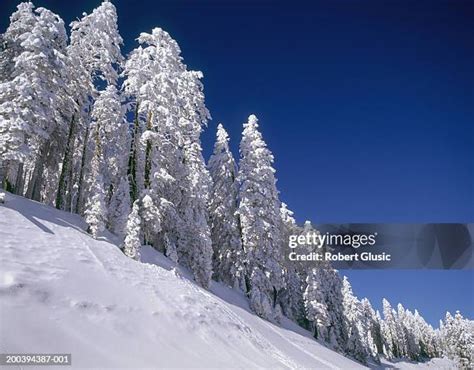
point(392, 341)
point(316, 307)
point(371, 324)
point(357, 345)
point(457, 335)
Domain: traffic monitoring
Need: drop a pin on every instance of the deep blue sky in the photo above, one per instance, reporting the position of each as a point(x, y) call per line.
point(368, 107)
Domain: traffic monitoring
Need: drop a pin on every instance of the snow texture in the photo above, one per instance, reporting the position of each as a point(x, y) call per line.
point(63, 291)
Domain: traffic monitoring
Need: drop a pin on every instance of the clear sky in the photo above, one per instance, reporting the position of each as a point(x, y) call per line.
point(368, 107)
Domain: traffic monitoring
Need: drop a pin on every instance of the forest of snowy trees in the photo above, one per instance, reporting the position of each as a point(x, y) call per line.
point(117, 140)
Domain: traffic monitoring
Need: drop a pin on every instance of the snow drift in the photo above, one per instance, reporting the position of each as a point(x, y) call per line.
point(61, 291)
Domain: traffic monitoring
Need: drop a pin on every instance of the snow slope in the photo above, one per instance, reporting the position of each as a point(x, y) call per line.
point(63, 292)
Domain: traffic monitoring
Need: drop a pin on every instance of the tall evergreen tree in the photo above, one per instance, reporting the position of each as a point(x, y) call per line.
point(39, 69)
point(292, 299)
point(166, 163)
point(261, 226)
point(15, 126)
point(95, 48)
point(225, 234)
point(457, 335)
point(195, 246)
point(390, 332)
point(108, 163)
point(96, 208)
point(356, 330)
point(371, 321)
point(315, 305)
point(112, 131)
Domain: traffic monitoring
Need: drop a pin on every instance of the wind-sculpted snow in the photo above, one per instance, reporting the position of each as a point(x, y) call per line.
point(61, 291)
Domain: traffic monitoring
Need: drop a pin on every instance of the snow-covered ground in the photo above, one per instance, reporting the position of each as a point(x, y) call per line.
point(63, 292)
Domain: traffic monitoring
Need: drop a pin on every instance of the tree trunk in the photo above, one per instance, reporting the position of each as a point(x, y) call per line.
point(81, 173)
point(132, 162)
point(20, 181)
point(148, 155)
point(65, 169)
point(2, 175)
point(36, 182)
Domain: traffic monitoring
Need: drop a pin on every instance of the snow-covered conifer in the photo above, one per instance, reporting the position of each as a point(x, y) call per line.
point(457, 334)
point(315, 305)
point(225, 234)
point(390, 332)
point(261, 225)
point(96, 207)
point(112, 131)
point(95, 49)
point(113, 135)
point(132, 243)
point(329, 284)
point(292, 299)
point(96, 40)
point(31, 113)
point(14, 127)
point(371, 323)
point(166, 160)
point(195, 246)
point(354, 323)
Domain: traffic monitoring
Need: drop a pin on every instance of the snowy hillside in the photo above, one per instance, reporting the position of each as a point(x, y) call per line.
point(64, 292)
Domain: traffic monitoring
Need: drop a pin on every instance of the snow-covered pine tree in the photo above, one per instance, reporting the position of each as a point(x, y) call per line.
point(95, 213)
point(225, 233)
point(95, 49)
point(112, 135)
point(195, 246)
point(132, 243)
point(193, 116)
point(14, 127)
point(103, 206)
point(457, 335)
point(406, 321)
point(315, 305)
point(330, 283)
point(353, 316)
point(166, 161)
point(96, 207)
point(261, 225)
point(292, 299)
point(150, 85)
point(151, 217)
point(426, 337)
point(371, 323)
point(390, 331)
point(31, 113)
